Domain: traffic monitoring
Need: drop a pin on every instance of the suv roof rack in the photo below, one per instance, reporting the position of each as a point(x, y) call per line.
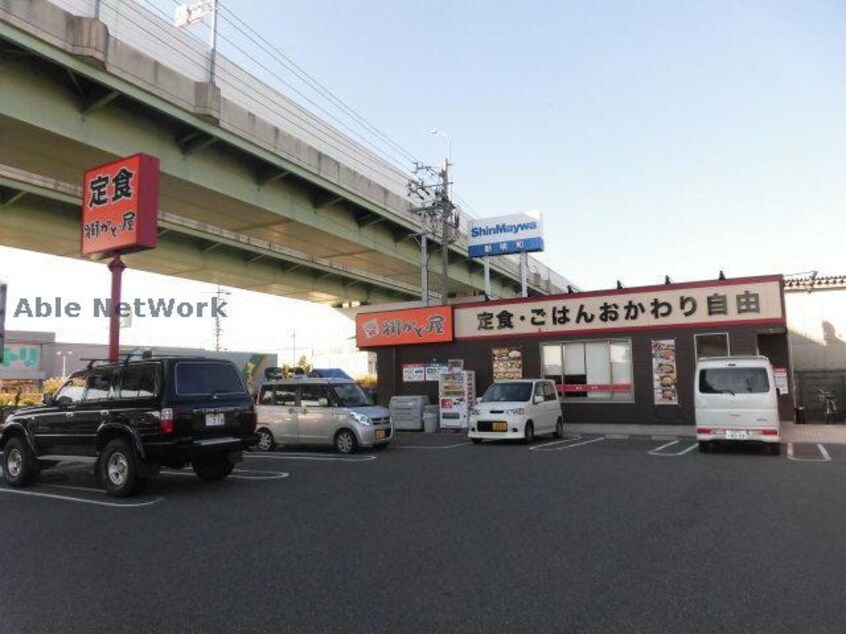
point(93, 361)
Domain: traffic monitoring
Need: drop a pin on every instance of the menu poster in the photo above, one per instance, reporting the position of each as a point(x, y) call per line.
point(413, 372)
point(455, 365)
point(664, 375)
point(507, 363)
point(434, 370)
point(781, 383)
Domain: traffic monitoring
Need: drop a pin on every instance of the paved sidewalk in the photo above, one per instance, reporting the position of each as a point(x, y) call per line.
point(790, 432)
point(829, 434)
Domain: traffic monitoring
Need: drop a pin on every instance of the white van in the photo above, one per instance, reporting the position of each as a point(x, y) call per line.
point(736, 400)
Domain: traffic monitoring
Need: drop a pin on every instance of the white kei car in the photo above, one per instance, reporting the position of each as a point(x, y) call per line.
point(517, 409)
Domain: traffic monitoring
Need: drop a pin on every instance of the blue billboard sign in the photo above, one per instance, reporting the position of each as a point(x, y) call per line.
point(506, 247)
point(516, 233)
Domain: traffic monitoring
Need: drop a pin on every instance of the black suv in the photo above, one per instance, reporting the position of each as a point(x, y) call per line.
point(136, 417)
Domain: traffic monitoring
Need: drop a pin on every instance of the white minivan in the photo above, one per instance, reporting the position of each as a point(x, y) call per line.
point(735, 399)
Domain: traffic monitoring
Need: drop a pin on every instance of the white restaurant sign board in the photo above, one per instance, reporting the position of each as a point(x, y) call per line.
point(756, 300)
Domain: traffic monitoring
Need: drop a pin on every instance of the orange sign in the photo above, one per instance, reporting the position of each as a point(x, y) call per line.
point(120, 206)
point(404, 327)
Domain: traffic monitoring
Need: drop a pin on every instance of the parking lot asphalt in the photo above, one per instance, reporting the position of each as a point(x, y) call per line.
point(435, 534)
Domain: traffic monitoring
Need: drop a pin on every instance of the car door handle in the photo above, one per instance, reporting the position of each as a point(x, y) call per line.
point(68, 414)
point(104, 413)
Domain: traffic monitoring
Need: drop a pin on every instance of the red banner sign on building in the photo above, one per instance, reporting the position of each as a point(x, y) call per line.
point(120, 205)
point(404, 327)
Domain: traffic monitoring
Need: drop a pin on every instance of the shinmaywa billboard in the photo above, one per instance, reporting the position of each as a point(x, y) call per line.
point(505, 234)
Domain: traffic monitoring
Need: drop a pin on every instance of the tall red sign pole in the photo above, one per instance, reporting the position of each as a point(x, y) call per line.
point(120, 209)
point(116, 266)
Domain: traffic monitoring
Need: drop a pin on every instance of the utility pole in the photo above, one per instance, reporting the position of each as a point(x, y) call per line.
point(433, 187)
point(218, 329)
point(446, 212)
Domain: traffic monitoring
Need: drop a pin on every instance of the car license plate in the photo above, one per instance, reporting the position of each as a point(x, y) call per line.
point(381, 434)
point(215, 420)
point(736, 435)
point(499, 426)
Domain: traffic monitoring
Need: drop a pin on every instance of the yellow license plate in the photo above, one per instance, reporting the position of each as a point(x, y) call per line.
point(499, 426)
point(381, 433)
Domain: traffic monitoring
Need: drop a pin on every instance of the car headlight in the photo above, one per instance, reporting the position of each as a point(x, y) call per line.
point(361, 419)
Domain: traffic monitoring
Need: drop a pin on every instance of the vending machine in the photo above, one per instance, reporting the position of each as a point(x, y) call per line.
point(457, 396)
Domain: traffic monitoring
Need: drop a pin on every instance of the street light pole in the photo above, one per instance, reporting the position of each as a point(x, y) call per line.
point(64, 356)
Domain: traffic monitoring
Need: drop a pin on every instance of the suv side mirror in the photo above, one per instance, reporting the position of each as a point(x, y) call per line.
point(48, 399)
point(323, 402)
point(539, 398)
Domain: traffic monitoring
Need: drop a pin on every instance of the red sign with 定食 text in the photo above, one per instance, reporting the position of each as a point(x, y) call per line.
point(120, 206)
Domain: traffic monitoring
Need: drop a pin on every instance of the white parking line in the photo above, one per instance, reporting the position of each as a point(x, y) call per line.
point(240, 474)
point(566, 439)
point(825, 456)
point(658, 450)
point(316, 457)
point(68, 498)
point(546, 447)
point(456, 446)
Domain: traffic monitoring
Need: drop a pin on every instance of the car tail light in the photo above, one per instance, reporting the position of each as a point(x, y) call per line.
point(703, 430)
point(166, 421)
point(768, 432)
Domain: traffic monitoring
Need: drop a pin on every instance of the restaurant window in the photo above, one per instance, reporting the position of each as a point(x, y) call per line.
point(712, 345)
point(598, 370)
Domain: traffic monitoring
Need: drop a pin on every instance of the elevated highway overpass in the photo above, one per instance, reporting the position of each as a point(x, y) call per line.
point(256, 192)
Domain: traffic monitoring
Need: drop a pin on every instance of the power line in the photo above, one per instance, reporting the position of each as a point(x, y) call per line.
point(321, 133)
point(314, 83)
point(391, 154)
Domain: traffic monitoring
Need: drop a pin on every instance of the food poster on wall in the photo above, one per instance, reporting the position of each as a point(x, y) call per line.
point(507, 363)
point(780, 377)
point(455, 365)
point(413, 372)
point(664, 375)
point(434, 370)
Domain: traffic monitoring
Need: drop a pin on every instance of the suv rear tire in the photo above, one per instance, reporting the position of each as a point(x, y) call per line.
point(119, 469)
point(19, 467)
point(212, 468)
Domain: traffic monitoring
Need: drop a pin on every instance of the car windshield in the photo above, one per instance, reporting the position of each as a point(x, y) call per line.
point(350, 395)
point(734, 381)
point(203, 378)
point(507, 392)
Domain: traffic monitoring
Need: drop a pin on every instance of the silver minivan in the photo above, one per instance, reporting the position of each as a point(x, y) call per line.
point(333, 412)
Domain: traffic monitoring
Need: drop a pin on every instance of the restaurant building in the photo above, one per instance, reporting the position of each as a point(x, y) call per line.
point(618, 356)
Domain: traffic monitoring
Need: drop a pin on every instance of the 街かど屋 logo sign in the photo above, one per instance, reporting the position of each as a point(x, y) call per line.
point(403, 327)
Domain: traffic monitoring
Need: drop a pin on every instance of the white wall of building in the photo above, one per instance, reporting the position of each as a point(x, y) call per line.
point(817, 323)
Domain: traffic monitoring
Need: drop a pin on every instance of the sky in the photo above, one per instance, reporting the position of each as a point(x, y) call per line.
point(657, 138)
